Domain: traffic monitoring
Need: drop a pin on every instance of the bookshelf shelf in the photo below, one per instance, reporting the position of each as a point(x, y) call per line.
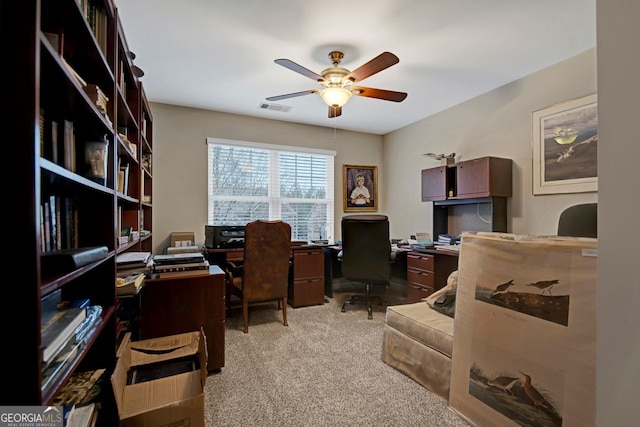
point(72, 91)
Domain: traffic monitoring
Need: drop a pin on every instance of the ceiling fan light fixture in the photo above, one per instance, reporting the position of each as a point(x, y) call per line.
point(335, 96)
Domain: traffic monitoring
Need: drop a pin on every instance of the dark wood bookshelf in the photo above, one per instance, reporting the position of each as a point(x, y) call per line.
point(68, 63)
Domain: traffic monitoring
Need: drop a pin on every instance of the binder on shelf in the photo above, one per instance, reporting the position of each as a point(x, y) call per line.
point(63, 260)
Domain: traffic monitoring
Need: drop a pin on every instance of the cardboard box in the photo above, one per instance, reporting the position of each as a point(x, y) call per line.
point(183, 238)
point(160, 381)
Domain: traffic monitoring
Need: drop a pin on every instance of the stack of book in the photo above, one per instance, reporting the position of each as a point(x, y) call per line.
point(98, 97)
point(64, 329)
point(134, 262)
point(180, 264)
point(128, 283)
point(448, 239)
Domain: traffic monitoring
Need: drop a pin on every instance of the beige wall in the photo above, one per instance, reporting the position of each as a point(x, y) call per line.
point(180, 160)
point(618, 358)
point(497, 123)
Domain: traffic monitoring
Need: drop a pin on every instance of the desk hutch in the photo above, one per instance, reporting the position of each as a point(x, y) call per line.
point(468, 196)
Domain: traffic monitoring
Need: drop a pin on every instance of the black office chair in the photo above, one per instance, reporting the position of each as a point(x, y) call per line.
point(366, 256)
point(579, 221)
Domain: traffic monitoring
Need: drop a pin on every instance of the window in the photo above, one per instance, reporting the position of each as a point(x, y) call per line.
point(250, 181)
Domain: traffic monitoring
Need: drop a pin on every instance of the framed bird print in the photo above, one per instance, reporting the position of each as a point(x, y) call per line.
point(525, 331)
point(565, 147)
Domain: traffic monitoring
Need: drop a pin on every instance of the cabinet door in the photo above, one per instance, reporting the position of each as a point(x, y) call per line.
point(484, 177)
point(473, 178)
point(308, 263)
point(434, 184)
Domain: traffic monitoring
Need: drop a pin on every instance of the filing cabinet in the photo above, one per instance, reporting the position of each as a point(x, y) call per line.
point(428, 272)
point(306, 283)
point(420, 276)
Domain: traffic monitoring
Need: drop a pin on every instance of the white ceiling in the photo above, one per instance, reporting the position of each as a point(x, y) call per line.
point(218, 54)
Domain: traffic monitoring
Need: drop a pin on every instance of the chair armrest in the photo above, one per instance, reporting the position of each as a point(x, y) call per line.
point(233, 269)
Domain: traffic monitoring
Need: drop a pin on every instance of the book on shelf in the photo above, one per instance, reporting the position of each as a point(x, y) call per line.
point(73, 72)
point(58, 330)
point(69, 148)
point(93, 313)
point(82, 388)
point(133, 258)
point(63, 260)
point(54, 141)
point(54, 367)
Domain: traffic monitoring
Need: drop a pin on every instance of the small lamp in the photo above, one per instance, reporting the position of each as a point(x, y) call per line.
point(335, 96)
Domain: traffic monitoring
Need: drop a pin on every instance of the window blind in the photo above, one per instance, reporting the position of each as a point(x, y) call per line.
point(248, 181)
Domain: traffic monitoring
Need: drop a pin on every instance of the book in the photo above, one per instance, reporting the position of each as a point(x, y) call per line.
point(93, 313)
point(181, 267)
point(63, 260)
point(129, 283)
point(64, 357)
point(82, 388)
point(56, 332)
point(83, 416)
point(133, 259)
point(188, 273)
point(179, 258)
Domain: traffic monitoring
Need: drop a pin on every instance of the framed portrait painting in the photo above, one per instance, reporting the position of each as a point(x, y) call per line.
point(360, 188)
point(565, 147)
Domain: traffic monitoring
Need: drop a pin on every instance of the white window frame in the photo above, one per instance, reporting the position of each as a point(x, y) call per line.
point(273, 198)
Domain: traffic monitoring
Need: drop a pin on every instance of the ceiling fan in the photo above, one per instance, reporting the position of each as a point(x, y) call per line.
point(338, 82)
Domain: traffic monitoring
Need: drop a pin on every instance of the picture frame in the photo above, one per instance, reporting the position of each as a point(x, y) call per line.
point(565, 147)
point(365, 197)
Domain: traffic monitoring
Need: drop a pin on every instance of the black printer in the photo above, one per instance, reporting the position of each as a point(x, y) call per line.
point(224, 236)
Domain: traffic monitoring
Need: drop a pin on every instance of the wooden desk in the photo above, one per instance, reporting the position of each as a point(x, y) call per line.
point(306, 278)
point(175, 305)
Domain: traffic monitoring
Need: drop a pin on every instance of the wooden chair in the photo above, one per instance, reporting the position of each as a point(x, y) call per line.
point(264, 273)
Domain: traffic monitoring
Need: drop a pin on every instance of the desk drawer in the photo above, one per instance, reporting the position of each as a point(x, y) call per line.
point(421, 261)
point(306, 292)
point(420, 277)
point(416, 292)
point(308, 263)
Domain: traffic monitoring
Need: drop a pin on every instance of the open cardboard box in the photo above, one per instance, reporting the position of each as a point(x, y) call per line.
point(160, 381)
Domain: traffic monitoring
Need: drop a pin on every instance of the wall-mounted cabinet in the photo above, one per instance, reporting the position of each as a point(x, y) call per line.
point(469, 196)
point(483, 177)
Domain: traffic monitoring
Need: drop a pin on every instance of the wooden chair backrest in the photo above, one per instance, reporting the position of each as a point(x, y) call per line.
point(267, 253)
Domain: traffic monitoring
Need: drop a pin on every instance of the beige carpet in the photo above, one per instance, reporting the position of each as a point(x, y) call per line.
point(324, 369)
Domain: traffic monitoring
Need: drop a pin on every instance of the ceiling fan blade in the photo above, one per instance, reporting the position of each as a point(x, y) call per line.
point(291, 95)
point(377, 64)
point(334, 111)
point(299, 69)
point(387, 95)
